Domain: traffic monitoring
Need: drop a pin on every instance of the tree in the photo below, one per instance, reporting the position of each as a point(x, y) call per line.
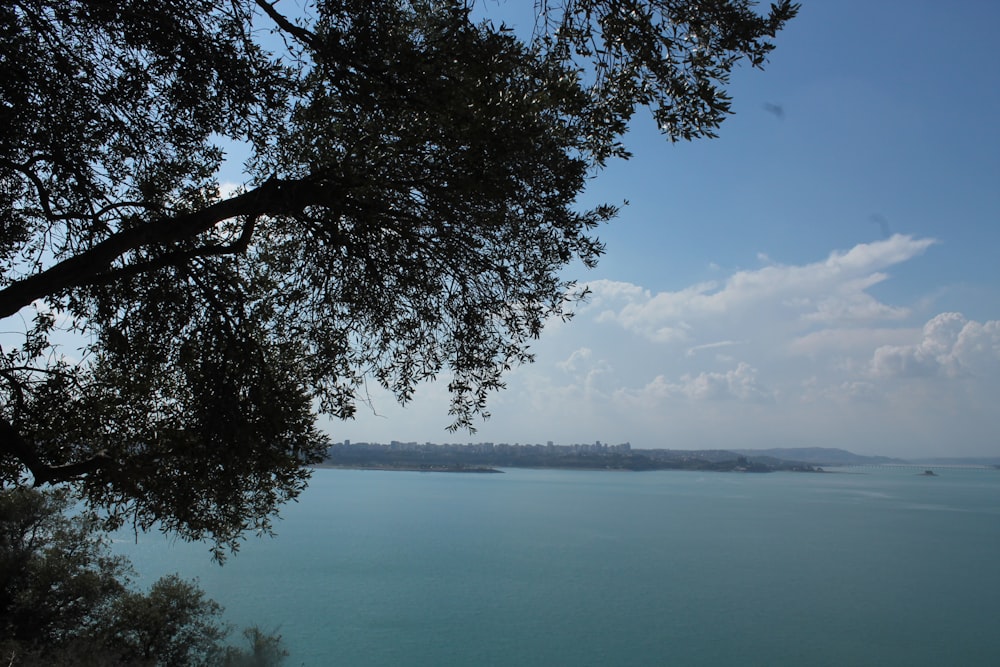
point(56, 574)
point(65, 600)
point(409, 206)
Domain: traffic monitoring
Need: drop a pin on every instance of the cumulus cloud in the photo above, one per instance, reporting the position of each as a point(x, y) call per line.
point(978, 348)
point(951, 346)
point(814, 329)
point(739, 383)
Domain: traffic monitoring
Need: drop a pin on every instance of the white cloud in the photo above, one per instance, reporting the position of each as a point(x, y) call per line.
point(951, 346)
point(850, 302)
point(575, 358)
point(227, 189)
point(691, 351)
point(978, 348)
point(832, 291)
point(739, 383)
point(859, 340)
point(589, 376)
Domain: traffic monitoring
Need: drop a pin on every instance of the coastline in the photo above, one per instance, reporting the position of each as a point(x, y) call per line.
point(413, 468)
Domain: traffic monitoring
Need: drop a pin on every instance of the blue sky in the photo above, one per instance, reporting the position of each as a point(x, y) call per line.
point(824, 273)
point(822, 276)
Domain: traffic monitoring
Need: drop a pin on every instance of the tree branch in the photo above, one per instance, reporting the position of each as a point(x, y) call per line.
point(179, 257)
point(298, 32)
point(273, 197)
point(40, 190)
point(12, 443)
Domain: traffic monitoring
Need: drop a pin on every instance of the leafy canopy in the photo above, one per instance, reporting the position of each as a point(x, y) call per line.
point(407, 211)
point(66, 600)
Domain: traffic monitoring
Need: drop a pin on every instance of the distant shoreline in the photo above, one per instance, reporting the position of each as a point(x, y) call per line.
point(489, 470)
point(494, 457)
point(412, 468)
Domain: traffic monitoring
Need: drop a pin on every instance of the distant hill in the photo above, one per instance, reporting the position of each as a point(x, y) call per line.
point(827, 456)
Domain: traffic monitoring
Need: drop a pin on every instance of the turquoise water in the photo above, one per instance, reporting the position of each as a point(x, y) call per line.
point(538, 567)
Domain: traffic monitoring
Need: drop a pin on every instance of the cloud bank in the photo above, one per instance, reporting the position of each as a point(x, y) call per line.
point(780, 355)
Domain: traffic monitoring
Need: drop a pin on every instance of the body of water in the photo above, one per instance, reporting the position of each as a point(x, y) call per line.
point(558, 567)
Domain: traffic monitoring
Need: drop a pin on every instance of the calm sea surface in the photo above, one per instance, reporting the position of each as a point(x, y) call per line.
point(538, 567)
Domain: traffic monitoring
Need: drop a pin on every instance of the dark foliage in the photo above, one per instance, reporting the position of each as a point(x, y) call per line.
point(65, 600)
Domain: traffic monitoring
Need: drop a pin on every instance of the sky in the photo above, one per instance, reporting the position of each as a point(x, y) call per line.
point(822, 274)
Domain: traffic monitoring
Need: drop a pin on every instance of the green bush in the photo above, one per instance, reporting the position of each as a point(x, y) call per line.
point(66, 600)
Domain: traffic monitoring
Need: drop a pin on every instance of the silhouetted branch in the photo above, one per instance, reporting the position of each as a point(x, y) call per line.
point(273, 197)
point(11, 442)
point(300, 33)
